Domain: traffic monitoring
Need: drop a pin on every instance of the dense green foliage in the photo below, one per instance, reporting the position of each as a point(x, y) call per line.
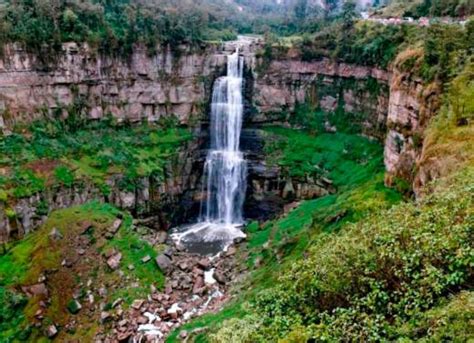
point(11, 315)
point(338, 156)
point(111, 26)
point(442, 49)
point(373, 278)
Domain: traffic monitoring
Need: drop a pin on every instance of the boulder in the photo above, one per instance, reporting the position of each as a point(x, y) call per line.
point(164, 263)
point(38, 289)
point(74, 306)
point(114, 261)
point(51, 331)
point(55, 234)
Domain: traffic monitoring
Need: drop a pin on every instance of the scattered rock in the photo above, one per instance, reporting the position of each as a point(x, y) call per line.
point(137, 304)
point(204, 263)
point(131, 267)
point(51, 331)
point(146, 259)
point(142, 320)
point(55, 234)
point(326, 180)
point(164, 262)
point(168, 252)
point(115, 226)
point(161, 237)
point(38, 289)
point(197, 271)
point(231, 251)
point(124, 336)
point(116, 302)
point(329, 128)
point(104, 316)
point(103, 292)
point(219, 276)
point(114, 261)
point(183, 265)
point(109, 253)
point(198, 285)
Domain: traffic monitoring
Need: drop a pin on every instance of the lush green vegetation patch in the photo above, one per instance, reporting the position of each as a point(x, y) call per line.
point(51, 154)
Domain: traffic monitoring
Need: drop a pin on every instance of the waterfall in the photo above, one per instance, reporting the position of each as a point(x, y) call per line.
point(225, 169)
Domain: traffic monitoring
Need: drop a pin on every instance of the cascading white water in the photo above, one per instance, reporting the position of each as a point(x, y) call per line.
point(225, 169)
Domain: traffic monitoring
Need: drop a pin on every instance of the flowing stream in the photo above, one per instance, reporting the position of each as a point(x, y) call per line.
point(225, 170)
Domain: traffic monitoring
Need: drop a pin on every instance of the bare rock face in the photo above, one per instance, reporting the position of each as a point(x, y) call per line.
point(286, 82)
point(137, 88)
point(411, 105)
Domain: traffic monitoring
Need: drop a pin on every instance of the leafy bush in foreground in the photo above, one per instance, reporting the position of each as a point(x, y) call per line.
point(376, 279)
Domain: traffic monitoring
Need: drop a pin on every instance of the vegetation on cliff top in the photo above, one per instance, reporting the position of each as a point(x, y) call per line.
point(111, 26)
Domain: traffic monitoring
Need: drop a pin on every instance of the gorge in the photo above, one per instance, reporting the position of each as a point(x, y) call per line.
point(175, 171)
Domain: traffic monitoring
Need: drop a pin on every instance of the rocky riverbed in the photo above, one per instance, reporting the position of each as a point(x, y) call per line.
point(194, 285)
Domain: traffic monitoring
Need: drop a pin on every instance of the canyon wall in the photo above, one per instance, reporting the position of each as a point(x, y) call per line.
point(282, 84)
point(148, 87)
point(412, 104)
point(139, 87)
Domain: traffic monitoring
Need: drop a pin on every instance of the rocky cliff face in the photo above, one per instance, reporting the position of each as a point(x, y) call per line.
point(142, 87)
point(411, 105)
point(284, 83)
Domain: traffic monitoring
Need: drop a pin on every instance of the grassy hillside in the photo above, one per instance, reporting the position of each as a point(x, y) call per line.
point(377, 279)
point(67, 260)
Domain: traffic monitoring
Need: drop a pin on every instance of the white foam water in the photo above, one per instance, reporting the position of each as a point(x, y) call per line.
point(225, 169)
